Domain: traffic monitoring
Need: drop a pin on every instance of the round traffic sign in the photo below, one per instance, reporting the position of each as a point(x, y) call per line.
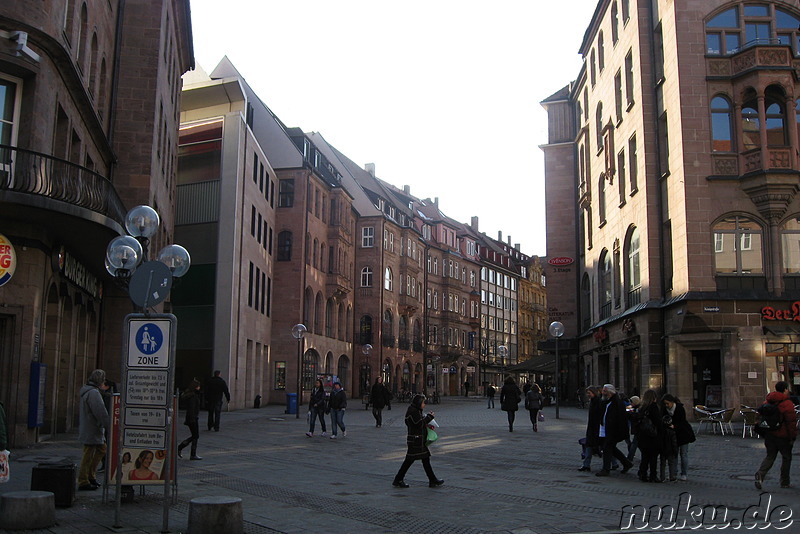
point(150, 284)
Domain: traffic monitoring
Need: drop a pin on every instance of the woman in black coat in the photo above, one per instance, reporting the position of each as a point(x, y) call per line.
point(379, 397)
point(192, 398)
point(592, 427)
point(510, 395)
point(417, 424)
point(650, 445)
point(683, 429)
point(316, 409)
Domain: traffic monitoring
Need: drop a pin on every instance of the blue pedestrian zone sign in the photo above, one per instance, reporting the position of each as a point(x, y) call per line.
point(148, 343)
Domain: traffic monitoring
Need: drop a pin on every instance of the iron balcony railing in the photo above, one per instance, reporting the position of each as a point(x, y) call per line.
point(26, 171)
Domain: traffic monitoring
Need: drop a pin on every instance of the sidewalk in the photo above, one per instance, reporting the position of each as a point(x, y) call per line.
point(495, 481)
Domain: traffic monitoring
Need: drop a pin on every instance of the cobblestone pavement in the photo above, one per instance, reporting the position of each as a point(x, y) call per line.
point(495, 481)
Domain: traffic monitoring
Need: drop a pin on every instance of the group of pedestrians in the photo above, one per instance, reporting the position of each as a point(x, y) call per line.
point(510, 397)
point(320, 405)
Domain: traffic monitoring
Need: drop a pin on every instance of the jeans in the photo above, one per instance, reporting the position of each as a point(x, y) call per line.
point(92, 454)
point(377, 413)
point(632, 446)
point(491, 403)
point(774, 446)
point(337, 420)
point(214, 410)
point(317, 412)
point(683, 450)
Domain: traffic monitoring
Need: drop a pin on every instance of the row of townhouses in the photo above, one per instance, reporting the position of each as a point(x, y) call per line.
point(672, 172)
point(96, 117)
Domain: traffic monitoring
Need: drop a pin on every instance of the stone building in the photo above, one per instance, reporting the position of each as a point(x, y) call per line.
point(88, 129)
point(674, 157)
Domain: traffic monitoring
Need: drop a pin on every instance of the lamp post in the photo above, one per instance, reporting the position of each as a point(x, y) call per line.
point(502, 351)
point(298, 332)
point(147, 283)
point(365, 378)
point(556, 330)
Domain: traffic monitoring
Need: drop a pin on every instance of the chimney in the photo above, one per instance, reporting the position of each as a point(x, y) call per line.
point(509, 240)
point(436, 201)
point(473, 223)
point(500, 235)
point(370, 168)
point(516, 246)
point(407, 189)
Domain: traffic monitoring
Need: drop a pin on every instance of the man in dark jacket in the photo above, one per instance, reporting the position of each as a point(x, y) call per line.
point(613, 429)
point(781, 440)
point(215, 389)
point(379, 397)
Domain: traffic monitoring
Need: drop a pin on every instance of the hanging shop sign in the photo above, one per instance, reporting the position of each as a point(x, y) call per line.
point(768, 313)
point(8, 260)
point(76, 272)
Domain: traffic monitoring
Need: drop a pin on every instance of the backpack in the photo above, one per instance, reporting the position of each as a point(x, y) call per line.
point(770, 418)
point(643, 426)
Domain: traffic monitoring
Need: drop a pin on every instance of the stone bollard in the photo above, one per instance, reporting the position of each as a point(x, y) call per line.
point(212, 515)
point(27, 510)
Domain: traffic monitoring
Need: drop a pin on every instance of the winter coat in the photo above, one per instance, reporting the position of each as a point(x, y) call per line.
point(683, 429)
point(317, 400)
point(215, 389)
point(338, 400)
point(417, 432)
point(669, 442)
point(490, 392)
point(612, 414)
point(593, 422)
point(192, 398)
point(93, 416)
point(653, 413)
point(379, 396)
point(510, 396)
point(533, 400)
point(788, 428)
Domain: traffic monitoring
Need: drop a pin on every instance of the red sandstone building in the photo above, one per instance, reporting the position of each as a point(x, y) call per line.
point(88, 129)
point(671, 178)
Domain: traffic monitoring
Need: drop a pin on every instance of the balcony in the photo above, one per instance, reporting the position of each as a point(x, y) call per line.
point(634, 297)
point(337, 285)
point(33, 173)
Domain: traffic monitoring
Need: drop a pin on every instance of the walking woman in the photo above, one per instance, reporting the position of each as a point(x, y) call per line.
point(379, 397)
point(649, 435)
point(510, 395)
point(683, 430)
point(192, 398)
point(417, 449)
point(592, 440)
point(316, 408)
point(533, 403)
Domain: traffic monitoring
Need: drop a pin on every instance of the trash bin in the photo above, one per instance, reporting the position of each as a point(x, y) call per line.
point(58, 478)
point(291, 403)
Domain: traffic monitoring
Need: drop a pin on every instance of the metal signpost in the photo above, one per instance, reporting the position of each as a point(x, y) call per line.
point(146, 403)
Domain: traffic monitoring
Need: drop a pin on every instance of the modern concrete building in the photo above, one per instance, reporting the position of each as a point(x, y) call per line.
point(674, 157)
point(89, 97)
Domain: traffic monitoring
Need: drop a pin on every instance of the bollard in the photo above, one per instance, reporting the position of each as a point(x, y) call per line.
point(22, 510)
point(212, 515)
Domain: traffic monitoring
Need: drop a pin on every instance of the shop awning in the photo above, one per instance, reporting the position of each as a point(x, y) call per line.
point(545, 364)
point(781, 330)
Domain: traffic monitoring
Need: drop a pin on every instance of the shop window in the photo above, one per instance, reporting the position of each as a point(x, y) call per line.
point(790, 245)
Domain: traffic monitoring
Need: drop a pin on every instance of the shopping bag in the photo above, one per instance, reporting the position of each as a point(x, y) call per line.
point(541, 416)
point(431, 437)
point(5, 471)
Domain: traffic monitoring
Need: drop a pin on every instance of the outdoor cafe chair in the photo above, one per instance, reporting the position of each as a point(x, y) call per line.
point(748, 418)
point(702, 415)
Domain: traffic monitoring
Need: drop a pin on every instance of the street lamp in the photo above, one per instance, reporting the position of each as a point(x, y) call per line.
point(556, 330)
point(502, 351)
point(298, 332)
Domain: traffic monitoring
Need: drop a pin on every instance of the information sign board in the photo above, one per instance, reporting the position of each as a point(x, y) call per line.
point(144, 438)
point(147, 386)
point(147, 417)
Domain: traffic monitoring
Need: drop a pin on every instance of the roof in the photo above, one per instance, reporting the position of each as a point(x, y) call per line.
point(536, 364)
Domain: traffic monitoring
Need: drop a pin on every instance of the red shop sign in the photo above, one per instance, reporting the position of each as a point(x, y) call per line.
point(768, 313)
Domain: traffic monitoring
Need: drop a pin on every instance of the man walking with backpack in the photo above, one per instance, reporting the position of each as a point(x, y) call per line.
point(781, 439)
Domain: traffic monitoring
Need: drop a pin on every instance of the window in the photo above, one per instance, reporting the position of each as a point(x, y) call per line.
point(367, 237)
point(285, 246)
point(788, 29)
point(633, 166)
point(601, 51)
point(280, 375)
point(633, 282)
point(365, 330)
point(790, 245)
point(592, 71)
point(387, 279)
point(723, 33)
point(626, 10)
point(663, 144)
point(775, 117)
point(618, 95)
point(751, 125)
point(286, 193)
point(730, 256)
point(629, 78)
point(366, 277)
point(601, 199)
point(721, 131)
point(614, 23)
point(598, 125)
point(621, 176)
point(606, 287)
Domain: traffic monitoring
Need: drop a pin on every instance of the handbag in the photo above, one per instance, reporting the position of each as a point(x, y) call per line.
point(431, 436)
point(540, 417)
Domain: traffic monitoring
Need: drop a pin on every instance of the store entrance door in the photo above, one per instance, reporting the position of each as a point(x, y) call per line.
point(707, 378)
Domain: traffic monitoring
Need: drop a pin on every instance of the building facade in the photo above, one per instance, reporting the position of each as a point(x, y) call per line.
point(88, 129)
point(683, 129)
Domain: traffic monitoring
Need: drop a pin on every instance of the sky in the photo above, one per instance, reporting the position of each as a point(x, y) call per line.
point(441, 95)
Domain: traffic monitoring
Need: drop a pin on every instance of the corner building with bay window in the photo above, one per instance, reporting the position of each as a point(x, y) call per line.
point(675, 157)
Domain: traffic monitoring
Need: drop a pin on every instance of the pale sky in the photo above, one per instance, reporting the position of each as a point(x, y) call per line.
point(441, 95)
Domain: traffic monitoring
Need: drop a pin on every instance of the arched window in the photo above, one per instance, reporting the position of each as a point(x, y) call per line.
point(601, 51)
point(329, 307)
point(340, 322)
point(308, 307)
point(774, 104)
point(601, 198)
point(318, 314)
point(310, 368)
point(343, 370)
point(790, 245)
point(93, 62)
point(82, 31)
point(365, 330)
point(328, 363)
point(387, 279)
point(314, 263)
point(723, 33)
point(606, 284)
point(751, 125)
point(404, 341)
point(721, 131)
point(633, 277)
point(285, 246)
point(737, 246)
point(388, 329)
point(366, 277)
point(598, 119)
point(614, 23)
